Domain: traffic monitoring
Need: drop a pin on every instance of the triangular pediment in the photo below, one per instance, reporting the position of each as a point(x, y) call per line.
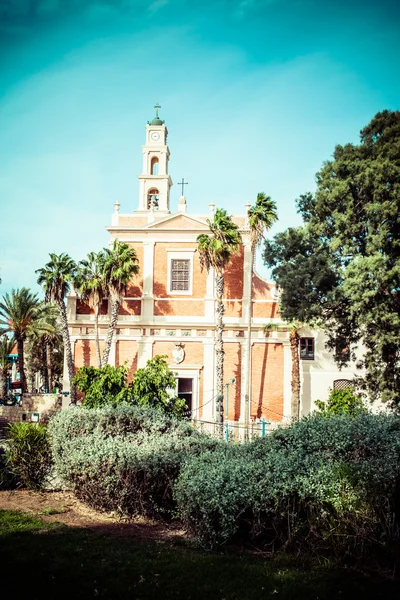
point(179, 221)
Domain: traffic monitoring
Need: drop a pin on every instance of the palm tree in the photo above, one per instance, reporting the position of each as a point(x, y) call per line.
point(41, 349)
point(294, 340)
point(215, 251)
point(6, 347)
point(55, 278)
point(23, 314)
point(44, 327)
point(89, 283)
point(121, 263)
point(261, 217)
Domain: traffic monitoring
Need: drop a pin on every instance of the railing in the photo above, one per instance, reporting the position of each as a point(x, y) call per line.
point(235, 431)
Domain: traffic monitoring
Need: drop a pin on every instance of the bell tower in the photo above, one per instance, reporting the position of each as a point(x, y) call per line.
point(154, 182)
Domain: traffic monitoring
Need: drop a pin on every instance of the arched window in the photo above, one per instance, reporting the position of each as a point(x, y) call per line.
point(342, 384)
point(154, 166)
point(152, 199)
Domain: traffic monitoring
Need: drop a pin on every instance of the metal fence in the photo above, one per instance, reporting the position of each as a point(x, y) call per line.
point(235, 431)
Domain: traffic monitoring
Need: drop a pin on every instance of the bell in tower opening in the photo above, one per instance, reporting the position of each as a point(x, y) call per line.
point(153, 199)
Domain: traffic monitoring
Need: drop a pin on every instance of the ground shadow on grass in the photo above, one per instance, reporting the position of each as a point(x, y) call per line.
point(48, 560)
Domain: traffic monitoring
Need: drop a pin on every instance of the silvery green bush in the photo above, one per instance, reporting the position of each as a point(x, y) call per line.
point(328, 483)
point(125, 458)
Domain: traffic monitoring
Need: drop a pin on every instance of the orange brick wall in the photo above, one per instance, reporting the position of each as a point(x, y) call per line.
point(232, 366)
point(267, 381)
point(126, 351)
point(232, 308)
point(130, 307)
point(234, 276)
point(83, 309)
point(85, 353)
point(135, 287)
point(267, 310)
point(160, 287)
point(193, 308)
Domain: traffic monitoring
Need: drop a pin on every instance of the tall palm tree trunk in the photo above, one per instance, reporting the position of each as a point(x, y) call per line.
point(3, 382)
point(30, 375)
point(294, 348)
point(21, 364)
point(96, 335)
point(113, 322)
point(67, 346)
point(219, 349)
point(49, 367)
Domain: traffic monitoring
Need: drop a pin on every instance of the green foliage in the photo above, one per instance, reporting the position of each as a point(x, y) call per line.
point(342, 269)
point(8, 480)
point(102, 387)
point(28, 454)
point(56, 277)
point(324, 485)
point(216, 250)
point(151, 386)
point(341, 401)
point(125, 458)
point(261, 218)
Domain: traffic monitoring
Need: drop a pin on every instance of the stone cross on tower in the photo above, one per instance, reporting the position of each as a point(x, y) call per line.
point(182, 183)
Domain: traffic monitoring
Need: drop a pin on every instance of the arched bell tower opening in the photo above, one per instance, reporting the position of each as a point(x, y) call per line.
point(154, 166)
point(153, 199)
point(155, 183)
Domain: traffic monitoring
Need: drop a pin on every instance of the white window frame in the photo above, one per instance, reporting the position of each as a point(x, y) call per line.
point(186, 254)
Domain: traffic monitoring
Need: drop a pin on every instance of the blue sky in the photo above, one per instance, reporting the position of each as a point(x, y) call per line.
point(255, 95)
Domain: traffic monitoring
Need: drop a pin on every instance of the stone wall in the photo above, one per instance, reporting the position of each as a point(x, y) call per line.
point(43, 405)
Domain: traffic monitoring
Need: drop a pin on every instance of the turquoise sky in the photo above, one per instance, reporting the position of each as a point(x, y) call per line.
point(255, 94)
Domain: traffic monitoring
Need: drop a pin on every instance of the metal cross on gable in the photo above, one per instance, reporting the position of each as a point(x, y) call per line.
point(182, 183)
point(157, 106)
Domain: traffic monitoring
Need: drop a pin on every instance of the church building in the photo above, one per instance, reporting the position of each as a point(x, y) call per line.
point(168, 308)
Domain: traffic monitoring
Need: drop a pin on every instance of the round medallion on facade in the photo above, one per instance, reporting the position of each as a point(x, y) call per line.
point(155, 136)
point(178, 354)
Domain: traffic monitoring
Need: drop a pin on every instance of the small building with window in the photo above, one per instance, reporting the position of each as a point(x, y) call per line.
point(169, 309)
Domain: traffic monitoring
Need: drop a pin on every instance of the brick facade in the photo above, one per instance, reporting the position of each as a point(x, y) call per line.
point(153, 319)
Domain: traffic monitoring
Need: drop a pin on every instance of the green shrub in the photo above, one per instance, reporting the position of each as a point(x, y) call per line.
point(125, 458)
point(8, 481)
point(328, 485)
point(151, 386)
point(341, 401)
point(28, 453)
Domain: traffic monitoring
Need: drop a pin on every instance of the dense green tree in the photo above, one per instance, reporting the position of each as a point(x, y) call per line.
point(22, 314)
point(342, 269)
point(215, 251)
point(56, 278)
point(152, 385)
point(90, 285)
point(121, 263)
point(341, 402)
point(106, 386)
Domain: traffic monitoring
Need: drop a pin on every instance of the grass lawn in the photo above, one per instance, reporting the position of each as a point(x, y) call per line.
point(48, 560)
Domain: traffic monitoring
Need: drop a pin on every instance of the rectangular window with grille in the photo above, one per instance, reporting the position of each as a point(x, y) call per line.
point(307, 348)
point(180, 275)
